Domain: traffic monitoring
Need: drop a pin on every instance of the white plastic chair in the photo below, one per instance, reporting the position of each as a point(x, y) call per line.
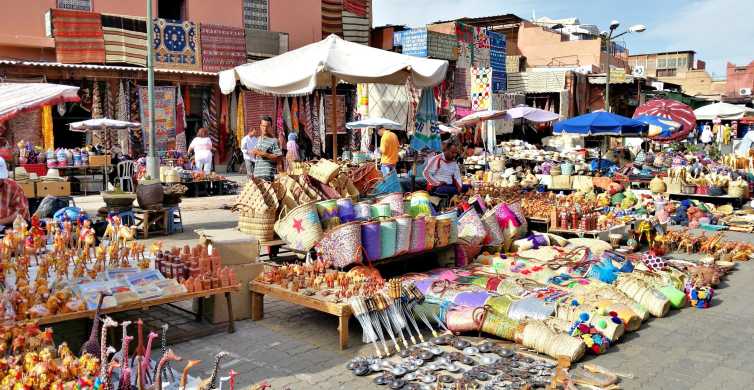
point(126, 171)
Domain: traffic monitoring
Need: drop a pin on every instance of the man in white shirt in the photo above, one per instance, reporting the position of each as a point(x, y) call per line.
point(442, 172)
point(248, 143)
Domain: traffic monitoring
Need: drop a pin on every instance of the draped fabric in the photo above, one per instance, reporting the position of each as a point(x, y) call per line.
point(136, 135)
point(222, 127)
point(322, 128)
point(223, 47)
point(96, 100)
point(123, 113)
point(176, 45)
point(256, 107)
point(279, 121)
point(481, 84)
point(294, 115)
point(240, 118)
point(214, 114)
point(340, 116)
point(389, 102)
point(47, 134)
point(316, 129)
point(287, 122)
point(332, 17)
point(180, 124)
point(164, 116)
point(233, 120)
point(125, 39)
point(78, 37)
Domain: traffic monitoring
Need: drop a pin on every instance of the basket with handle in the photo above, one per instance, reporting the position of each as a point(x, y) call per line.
point(388, 238)
point(403, 241)
point(258, 207)
point(324, 171)
point(370, 240)
point(328, 213)
point(341, 245)
point(300, 227)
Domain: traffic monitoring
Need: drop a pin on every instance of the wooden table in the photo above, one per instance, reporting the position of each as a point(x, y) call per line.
point(144, 305)
point(145, 219)
point(341, 310)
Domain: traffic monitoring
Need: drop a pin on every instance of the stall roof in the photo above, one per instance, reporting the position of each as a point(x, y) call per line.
point(102, 67)
point(16, 98)
point(537, 82)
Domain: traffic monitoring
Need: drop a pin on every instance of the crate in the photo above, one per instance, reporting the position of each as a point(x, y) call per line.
point(54, 188)
point(29, 188)
point(98, 161)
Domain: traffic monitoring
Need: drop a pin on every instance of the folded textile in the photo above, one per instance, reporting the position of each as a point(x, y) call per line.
point(78, 36)
point(176, 45)
point(332, 17)
point(358, 7)
point(125, 39)
point(223, 47)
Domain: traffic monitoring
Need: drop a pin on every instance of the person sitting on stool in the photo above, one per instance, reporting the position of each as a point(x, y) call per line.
point(443, 174)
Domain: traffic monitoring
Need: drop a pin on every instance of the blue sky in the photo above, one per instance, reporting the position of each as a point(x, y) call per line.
point(718, 30)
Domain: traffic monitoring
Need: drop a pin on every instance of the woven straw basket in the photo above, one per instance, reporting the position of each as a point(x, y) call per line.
point(300, 228)
point(342, 245)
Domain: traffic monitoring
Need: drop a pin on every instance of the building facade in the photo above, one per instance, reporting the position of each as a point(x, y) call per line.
point(739, 85)
point(681, 68)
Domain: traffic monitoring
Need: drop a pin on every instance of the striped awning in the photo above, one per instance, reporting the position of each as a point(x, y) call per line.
point(16, 98)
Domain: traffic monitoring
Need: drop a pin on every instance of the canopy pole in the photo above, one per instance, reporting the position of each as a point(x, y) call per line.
point(333, 86)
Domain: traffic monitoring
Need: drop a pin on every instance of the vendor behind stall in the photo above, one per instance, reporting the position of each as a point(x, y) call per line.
point(389, 148)
point(267, 151)
point(12, 199)
point(442, 172)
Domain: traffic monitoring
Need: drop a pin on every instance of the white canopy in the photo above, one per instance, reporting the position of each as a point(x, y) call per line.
point(16, 98)
point(300, 71)
point(374, 122)
point(719, 110)
point(102, 124)
point(531, 113)
point(480, 116)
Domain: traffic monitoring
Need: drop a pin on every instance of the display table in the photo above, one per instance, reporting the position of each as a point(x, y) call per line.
point(341, 310)
point(86, 170)
point(597, 234)
point(716, 200)
point(144, 305)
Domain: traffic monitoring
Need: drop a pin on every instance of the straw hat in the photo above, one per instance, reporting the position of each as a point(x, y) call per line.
point(20, 174)
point(52, 174)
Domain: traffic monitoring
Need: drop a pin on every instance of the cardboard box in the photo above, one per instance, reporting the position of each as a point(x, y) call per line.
point(234, 247)
point(98, 161)
point(54, 188)
point(29, 187)
point(216, 309)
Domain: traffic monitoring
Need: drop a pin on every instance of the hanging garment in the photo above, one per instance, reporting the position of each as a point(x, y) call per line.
point(180, 125)
point(240, 118)
point(322, 128)
point(214, 113)
point(294, 115)
point(123, 113)
point(233, 120)
point(47, 134)
point(316, 129)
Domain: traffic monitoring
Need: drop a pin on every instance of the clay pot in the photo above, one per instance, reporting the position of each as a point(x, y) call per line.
point(149, 194)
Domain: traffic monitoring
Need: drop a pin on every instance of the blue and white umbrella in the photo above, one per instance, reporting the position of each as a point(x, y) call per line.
point(376, 123)
point(659, 126)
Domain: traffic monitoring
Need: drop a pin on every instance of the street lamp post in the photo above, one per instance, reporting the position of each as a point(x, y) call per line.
point(153, 167)
point(637, 28)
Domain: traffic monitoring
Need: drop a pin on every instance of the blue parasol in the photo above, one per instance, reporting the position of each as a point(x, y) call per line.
point(659, 126)
point(601, 123)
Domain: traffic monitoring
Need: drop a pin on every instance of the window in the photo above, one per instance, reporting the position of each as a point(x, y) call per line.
point(77, 5)
point(256, 14)
point(666, 73)
point(662, 63)
point(171, 9)
point(682, 63)
point(672, 63)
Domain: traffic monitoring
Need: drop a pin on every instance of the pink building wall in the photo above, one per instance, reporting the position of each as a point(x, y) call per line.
point(739, 77)
point(301, 19)
point(544, 48)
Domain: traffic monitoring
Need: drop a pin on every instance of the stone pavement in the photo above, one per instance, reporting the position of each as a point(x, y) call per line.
point(297, 348)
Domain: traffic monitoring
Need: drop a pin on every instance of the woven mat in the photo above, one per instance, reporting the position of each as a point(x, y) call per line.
point(332, 17)
point(256, 106)
point(176, 45)
point(222, 47)
point(125, 40)
point(78, 36)
point(164, 105)
point(341, 114)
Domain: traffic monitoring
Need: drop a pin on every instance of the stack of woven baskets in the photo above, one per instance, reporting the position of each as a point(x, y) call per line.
point(258, 206)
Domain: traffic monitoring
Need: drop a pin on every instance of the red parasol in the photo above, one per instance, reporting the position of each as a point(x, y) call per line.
point(673, 110)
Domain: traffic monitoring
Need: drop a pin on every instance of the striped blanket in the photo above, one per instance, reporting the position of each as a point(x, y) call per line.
point(176, 45)
point(355, 28)
point(256, 106)
point(358, 7)
point(222, 47)
point(78, 36)
point(125, 39)
point(332, 17)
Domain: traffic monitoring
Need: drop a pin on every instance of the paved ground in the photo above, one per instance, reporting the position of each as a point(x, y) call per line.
point(297, 348)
